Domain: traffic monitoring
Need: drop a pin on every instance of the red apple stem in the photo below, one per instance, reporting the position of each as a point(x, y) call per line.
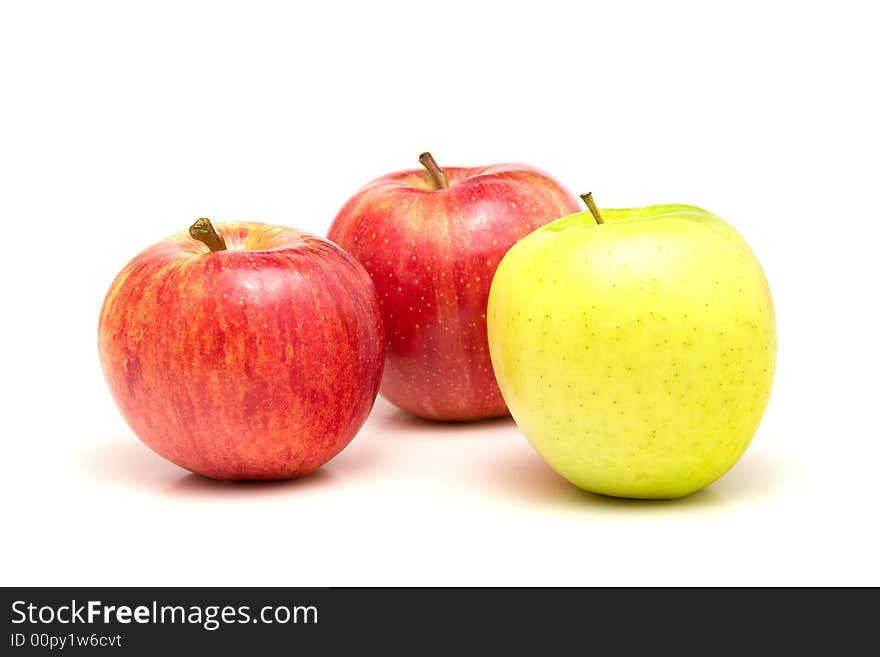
point(591, 206)
point(438, 175)
point(203, 231)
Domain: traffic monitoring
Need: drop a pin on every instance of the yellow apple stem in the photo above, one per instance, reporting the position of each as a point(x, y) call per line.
point(438, 175)
point(203, 231)
point(591, 206)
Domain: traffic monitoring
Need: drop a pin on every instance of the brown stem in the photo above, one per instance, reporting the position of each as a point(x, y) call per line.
point(438, 175)
point(203, 231)
point(591, 206)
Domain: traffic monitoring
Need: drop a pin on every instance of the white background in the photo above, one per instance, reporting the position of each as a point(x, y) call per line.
point(121, 123)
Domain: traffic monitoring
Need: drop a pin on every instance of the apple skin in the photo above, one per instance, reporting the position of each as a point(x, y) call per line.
point(636, 356)
point(432, 254)
point(258, 362)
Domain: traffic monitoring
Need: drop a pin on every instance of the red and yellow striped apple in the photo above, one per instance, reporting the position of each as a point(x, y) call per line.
point(431, 239)
point(247, 351)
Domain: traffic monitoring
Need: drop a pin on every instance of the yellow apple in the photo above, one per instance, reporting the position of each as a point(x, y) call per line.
point(635, 348)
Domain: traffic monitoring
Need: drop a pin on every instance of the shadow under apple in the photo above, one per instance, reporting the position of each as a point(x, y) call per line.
point(397, 420)
point(526, 478)
point(192, 485)
point(129, 464)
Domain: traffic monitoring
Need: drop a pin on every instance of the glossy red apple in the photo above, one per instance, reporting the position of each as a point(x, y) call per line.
point(431, 239)
point(246, 352)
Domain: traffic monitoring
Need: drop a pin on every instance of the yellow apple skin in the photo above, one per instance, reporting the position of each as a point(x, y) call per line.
point(636, 356)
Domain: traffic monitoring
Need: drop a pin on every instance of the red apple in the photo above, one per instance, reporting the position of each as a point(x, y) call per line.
point(249, 352)
point(431, 239)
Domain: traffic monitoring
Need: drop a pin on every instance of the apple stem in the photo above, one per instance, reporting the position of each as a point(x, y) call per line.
point(203, 231)
point(438, 175)
point(591, 206)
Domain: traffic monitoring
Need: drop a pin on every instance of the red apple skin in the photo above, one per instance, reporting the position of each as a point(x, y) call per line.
point(432, 253)
point(258, 362)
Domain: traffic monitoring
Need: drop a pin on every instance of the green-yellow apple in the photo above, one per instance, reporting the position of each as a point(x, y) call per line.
point(635, 348)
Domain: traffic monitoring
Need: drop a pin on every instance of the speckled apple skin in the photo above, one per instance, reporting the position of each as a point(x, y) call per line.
point(258, 362)
point(637, 356)
point(432, 254)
